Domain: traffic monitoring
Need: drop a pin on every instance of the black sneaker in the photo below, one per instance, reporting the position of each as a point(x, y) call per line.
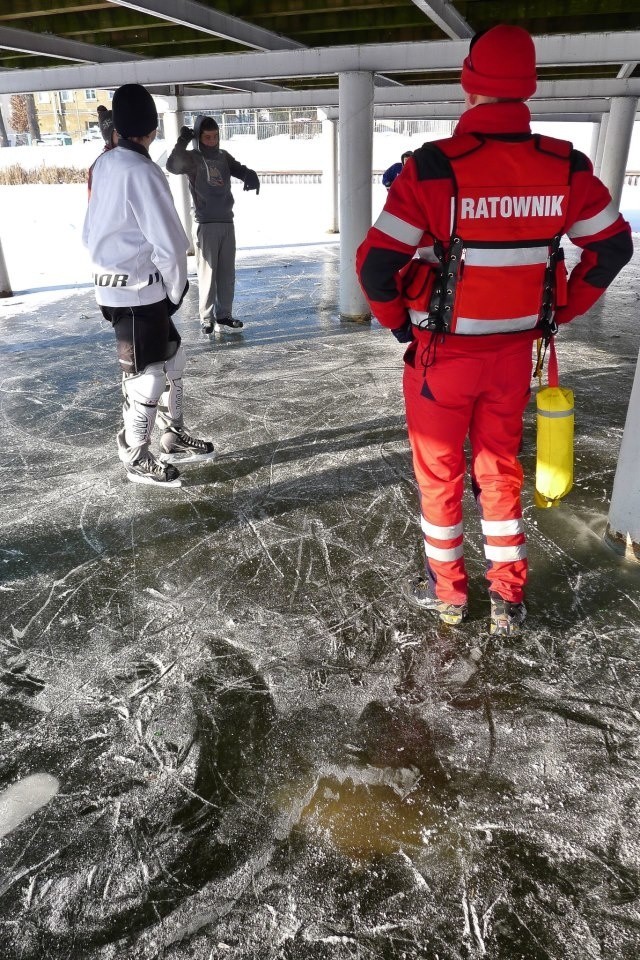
point(150, 470)
point(506, 617)
point(231, 322)
point(420, 592)
point(177, 446)
point(207, 327)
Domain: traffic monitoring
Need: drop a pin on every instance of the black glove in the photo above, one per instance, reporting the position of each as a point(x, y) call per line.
point(404, 334)
point(251, 181)
point(174, 307)
point(186, 134)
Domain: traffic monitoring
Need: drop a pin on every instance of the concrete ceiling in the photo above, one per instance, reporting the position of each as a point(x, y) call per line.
point(39, 37)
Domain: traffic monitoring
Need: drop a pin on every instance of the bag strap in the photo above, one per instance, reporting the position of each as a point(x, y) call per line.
point(552, 369)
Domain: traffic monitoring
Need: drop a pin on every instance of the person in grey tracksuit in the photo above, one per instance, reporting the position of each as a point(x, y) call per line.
point(209, 170)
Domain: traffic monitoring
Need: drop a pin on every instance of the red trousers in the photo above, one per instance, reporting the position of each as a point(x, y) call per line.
point(480, 392)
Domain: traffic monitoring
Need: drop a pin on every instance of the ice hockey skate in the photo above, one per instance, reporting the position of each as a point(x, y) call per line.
point(150, 470)
point(178, 446)
point(227, 325)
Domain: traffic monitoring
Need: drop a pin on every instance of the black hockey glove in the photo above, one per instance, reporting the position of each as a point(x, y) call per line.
point(174, 307)
point(404, 334)
point(186, 134)
point(252, 182)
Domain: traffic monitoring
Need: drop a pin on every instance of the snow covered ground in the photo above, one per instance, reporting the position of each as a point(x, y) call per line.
point(283, 153)
point(41, 226)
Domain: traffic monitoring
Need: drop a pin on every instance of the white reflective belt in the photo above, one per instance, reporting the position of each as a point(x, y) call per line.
point(505, 554)
point(502, 528)
point(427, 255)
point(473, 326)
point(441, 533)
point(435, 553)
point(555, 414)
point(602, 220)
point(505, 256)
point(399, 229)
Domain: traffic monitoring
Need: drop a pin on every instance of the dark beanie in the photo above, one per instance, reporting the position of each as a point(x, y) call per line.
point(134, 112)
point(105, 122)
point(206, 123)
point(501, 64)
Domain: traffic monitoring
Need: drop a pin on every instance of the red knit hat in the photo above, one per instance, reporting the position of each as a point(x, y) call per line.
point(501, 63)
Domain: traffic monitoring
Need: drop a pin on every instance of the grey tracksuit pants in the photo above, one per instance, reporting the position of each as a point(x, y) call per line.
point(215, 246)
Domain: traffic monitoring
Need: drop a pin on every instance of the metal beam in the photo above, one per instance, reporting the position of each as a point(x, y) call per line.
point(62, 48)
point(552, 94)
point(199, 17)
point(549, 109)
point(431, 56)
point(48, 45)
point(578, 110)
point(250, 86)
point(444, 15)
point(626, 70)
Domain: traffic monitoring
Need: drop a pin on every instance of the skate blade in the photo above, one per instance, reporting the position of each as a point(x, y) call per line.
point(179, 458)
point(149, 482)
point(225, 329)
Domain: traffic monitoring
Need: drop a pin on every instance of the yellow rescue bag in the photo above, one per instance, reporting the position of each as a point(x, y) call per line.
point(554, 463)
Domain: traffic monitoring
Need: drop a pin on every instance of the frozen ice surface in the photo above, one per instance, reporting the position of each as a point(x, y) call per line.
point(262, 750)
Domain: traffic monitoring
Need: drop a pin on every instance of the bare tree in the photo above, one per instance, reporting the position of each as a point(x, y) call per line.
point(32, 117)
point(4, 139)
point(19, 117)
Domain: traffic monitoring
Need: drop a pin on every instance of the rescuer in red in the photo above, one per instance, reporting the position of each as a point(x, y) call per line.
point(485, 210)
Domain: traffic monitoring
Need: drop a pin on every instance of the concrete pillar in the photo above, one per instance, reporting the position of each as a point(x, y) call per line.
point(179, 185)
point(602, 137)
point(623, 528)
point(616, 149)
point(355, 129)
point(593, 148)
point(5, 285)
point(329, 172)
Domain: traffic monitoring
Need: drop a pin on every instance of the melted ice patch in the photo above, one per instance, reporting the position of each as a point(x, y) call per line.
point(24, 798)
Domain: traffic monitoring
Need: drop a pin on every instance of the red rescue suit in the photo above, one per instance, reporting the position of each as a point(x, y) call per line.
point(504, 231)
point(492, 202)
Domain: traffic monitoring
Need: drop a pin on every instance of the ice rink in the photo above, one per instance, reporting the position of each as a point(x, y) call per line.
point(243, 742)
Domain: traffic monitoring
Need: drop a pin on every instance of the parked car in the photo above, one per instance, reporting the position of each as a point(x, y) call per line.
point(91, 133)
point(55, 140)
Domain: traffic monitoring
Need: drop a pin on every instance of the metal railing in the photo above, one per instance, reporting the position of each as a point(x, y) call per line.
point(411, 128)
point(307, 128)
point(303, 176)
point(290, 176)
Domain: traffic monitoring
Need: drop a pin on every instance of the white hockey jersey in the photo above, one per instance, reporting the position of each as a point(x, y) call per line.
point(132, 231)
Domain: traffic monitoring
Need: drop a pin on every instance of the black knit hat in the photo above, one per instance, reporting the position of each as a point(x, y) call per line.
point(207, 123)
point(105, 122)
point(134, 112)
